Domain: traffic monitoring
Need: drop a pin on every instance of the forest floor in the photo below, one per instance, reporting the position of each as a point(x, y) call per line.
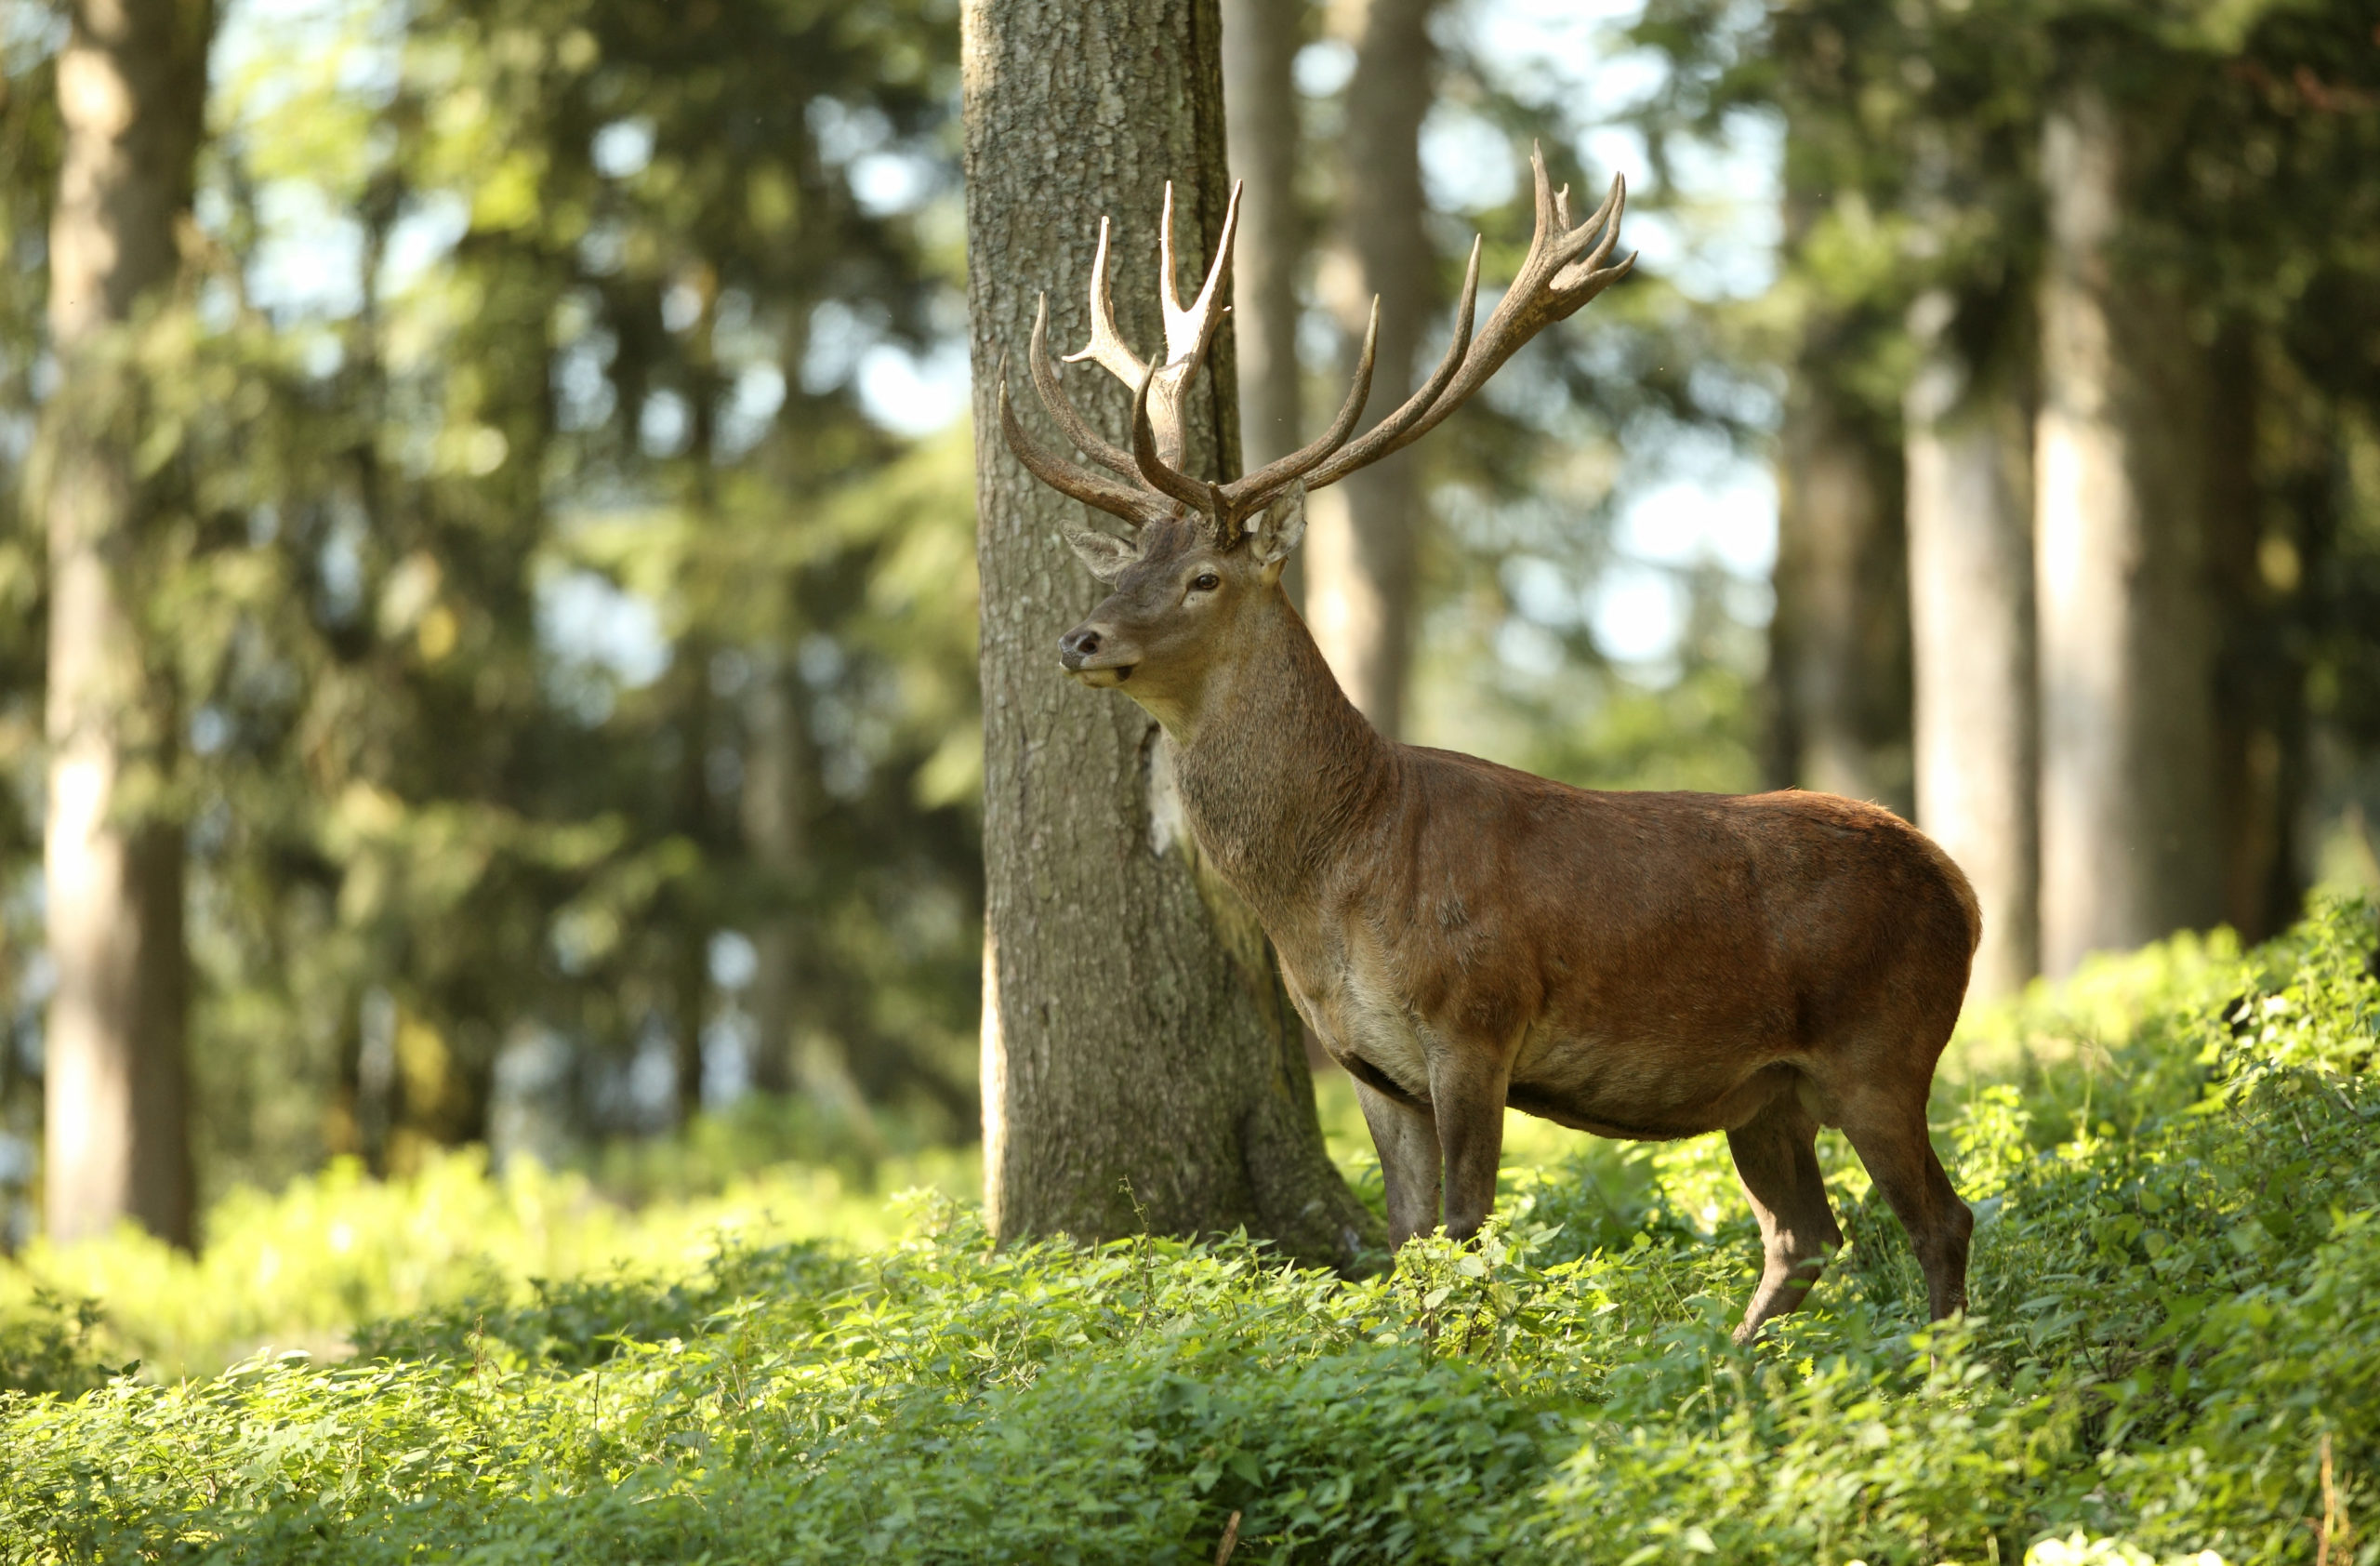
point(2174, 1349)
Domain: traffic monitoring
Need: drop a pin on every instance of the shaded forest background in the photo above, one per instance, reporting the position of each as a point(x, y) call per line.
point(560, 569)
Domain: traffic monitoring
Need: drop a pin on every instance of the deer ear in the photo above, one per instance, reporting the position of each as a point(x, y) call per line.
point(1105, 556)
point(1279, 527)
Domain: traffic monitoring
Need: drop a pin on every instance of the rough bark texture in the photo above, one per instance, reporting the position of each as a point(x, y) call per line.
point(1362, 534)
point(131, 86)
point(1838, 647)
point(1971, 635)
point(1141, 1064)
point(2131, 848)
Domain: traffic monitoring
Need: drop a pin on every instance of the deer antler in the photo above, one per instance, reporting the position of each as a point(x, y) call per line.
point(1559, 274)
point(1555, 279)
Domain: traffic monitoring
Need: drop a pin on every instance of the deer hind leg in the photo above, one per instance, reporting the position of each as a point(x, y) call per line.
point(1407, 1135)
point(1891, 1139)
point(1776, 1158)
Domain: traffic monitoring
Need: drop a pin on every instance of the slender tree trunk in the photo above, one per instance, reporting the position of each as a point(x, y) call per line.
point(1142, 1065)
point(1363, 534)
point(1260, 103)
point(2257, 579)
point(2131, 848)
point(131, 90)
point(1971, 635)
point(1839, 645)
point(776, 833)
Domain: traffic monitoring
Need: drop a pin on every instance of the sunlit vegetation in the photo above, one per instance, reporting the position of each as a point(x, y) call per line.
point(2172, 1350)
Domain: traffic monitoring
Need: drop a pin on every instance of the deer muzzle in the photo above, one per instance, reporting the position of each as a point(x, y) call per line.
point(1094, 654)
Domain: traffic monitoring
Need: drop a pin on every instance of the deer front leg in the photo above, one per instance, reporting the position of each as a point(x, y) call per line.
point(1407, 1135)
point(1467, 1094)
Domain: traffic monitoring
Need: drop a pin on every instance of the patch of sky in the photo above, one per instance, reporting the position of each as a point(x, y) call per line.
point(912, 393)
point(307, 261)
point(887, 183)
point(210, 730)
point(735, 962)
point(730, 1040)
point(30, 33)
point(339, 566)
point(664, 424)
point(1638, 613)
point(1323, 67)
point(752, 400)
point(1466, 161)
point(839, 337)
point(1527, 648)
point(621, 150)
point(681, 306)
point(1541, 591)
point(431, 226)
point(585, 618)
point(846, 133)
point(1727, 516)
point(358, 43)
point(585, 396)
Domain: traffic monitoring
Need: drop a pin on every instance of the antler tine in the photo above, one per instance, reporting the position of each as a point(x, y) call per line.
point(1580, 271)
point(1061, 407)
point(1152, 465)
point(1390, 432)
point(1108, 348)
point(1135, 506)
point(1243, 496)
point(1187, 332)
point(1545, 291)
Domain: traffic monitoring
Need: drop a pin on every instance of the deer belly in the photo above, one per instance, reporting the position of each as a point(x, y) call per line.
point(1642, 1091)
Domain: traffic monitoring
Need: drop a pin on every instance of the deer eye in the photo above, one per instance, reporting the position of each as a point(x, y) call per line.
point(1205, 581)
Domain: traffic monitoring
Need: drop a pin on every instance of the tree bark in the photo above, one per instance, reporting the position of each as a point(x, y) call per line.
point(2131, 849)
point(1363, 534)
point(1971, 638)
point(131, 89)
point(1141, 1067)
point(1260, 113)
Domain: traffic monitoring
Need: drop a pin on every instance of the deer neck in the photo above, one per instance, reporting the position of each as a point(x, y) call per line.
point(1277, 769)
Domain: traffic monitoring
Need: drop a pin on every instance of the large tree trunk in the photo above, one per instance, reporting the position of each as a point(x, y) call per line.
point(1971, 639)
point(1142, 1065)
point(131, 89)
point(1363, 534)
point(2131, 848)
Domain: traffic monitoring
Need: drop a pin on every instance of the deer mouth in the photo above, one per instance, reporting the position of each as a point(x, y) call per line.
point(1105, 676)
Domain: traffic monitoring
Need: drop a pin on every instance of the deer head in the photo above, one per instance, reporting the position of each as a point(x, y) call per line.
point(1202, 556)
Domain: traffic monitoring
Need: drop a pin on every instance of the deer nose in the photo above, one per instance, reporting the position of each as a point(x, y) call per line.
point(1078, 644)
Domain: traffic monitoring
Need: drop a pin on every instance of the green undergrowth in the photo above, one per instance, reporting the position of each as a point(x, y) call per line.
point(2173, 1350)
point(299, 1269)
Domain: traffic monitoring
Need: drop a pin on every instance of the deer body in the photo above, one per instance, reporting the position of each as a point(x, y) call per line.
point(1463, 936)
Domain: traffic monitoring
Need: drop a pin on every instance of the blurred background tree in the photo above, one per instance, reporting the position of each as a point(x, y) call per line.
point(560, 560)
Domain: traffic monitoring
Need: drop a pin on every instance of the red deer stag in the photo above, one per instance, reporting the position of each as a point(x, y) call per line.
point(1463, 936)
